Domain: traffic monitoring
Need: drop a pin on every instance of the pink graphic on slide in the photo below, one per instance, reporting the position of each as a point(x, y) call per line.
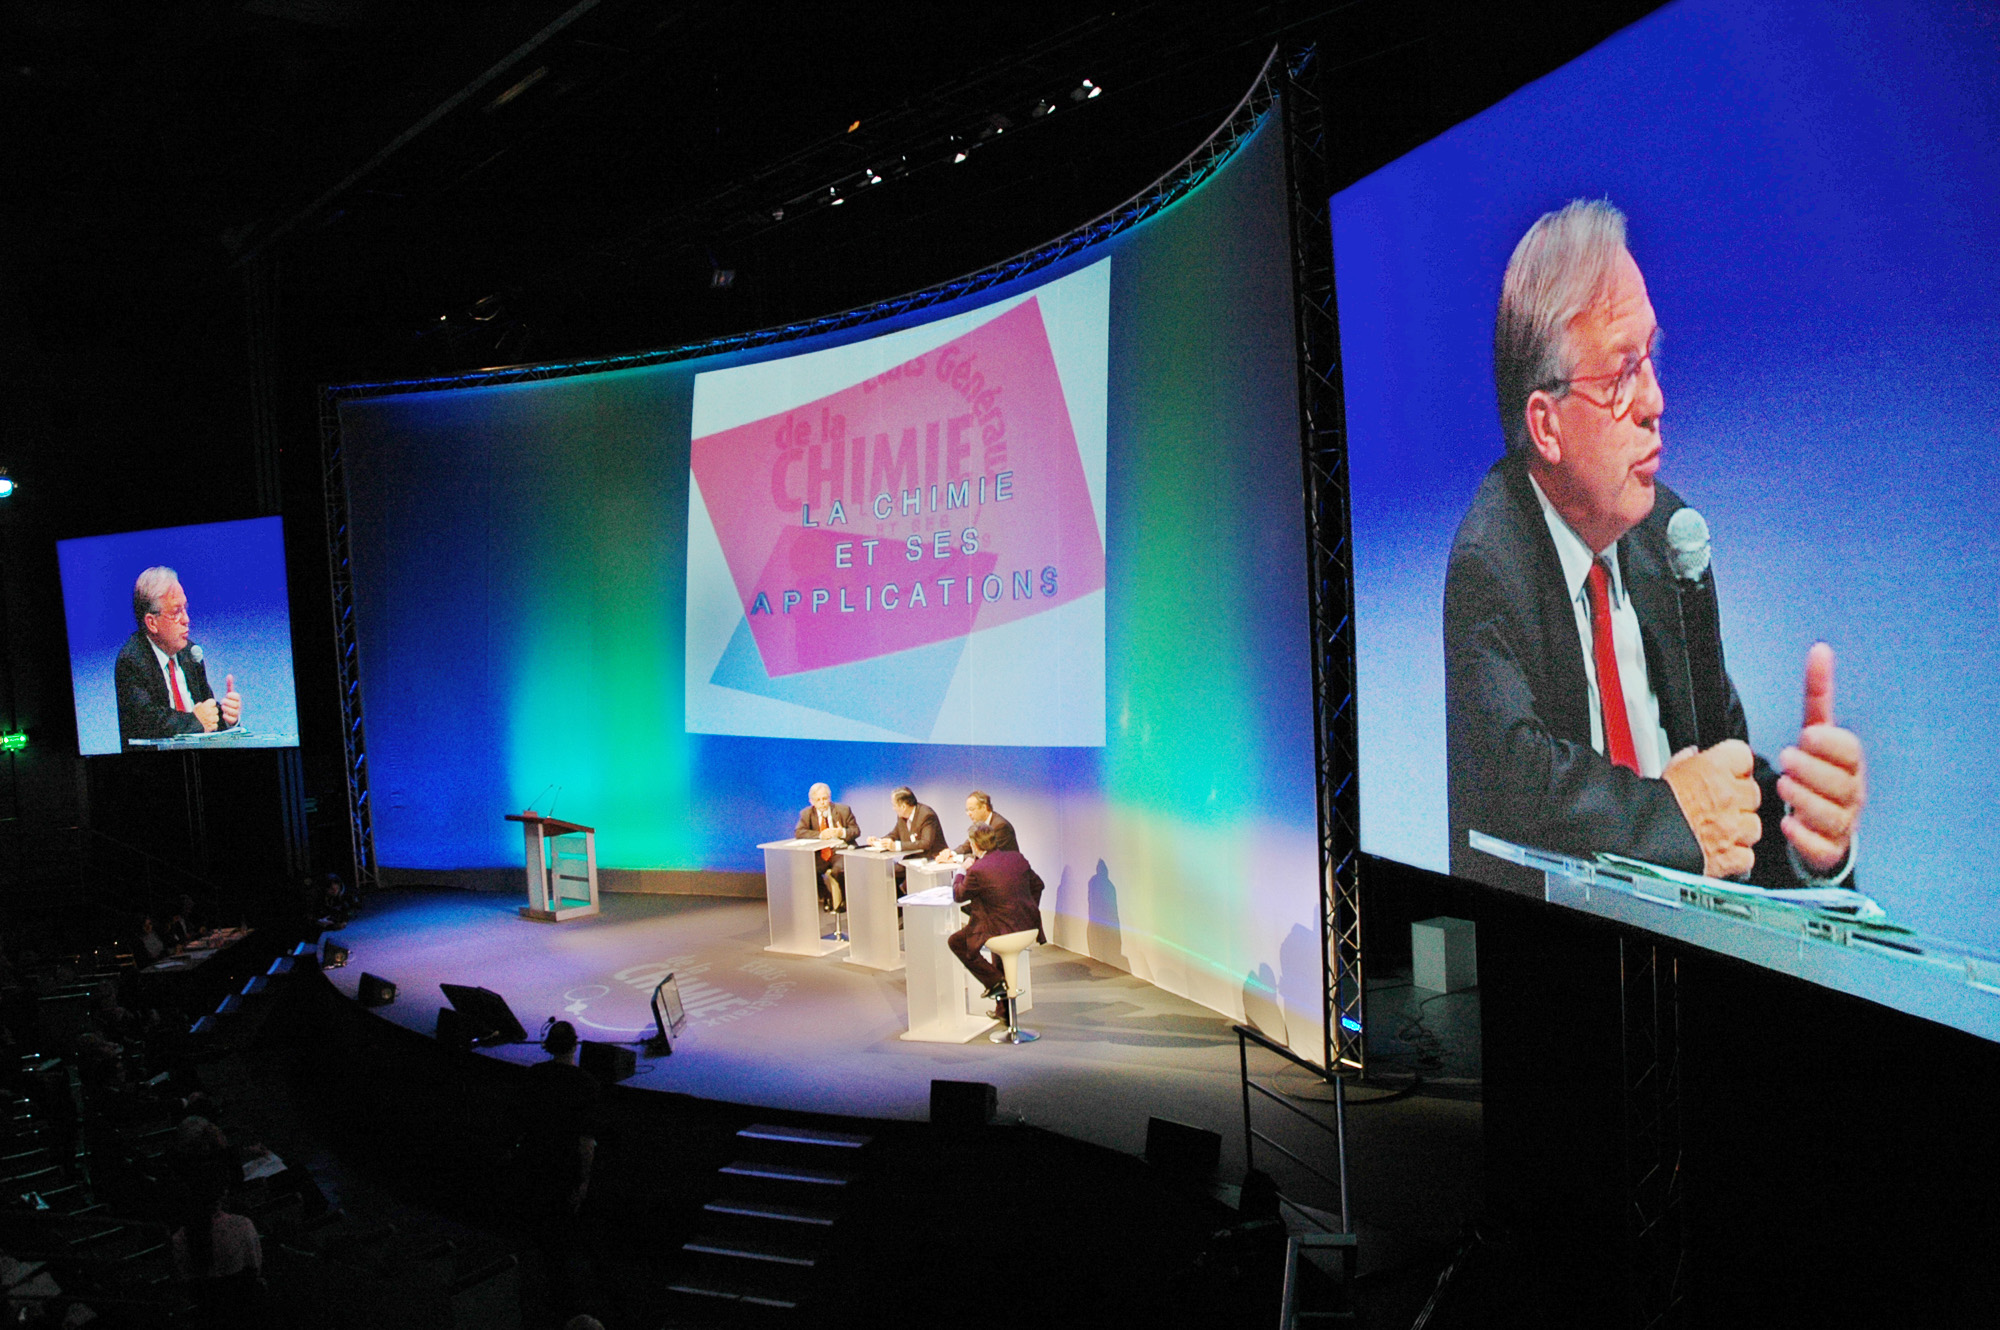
point(941, 497)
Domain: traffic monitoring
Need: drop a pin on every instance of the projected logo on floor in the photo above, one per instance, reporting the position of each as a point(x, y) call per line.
point(712, 995)
point(866, 535)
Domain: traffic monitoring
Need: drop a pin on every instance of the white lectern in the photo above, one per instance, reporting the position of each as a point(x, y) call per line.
point(871, 909)
point(946, 1004)
point(561, 859)
point(791, 896)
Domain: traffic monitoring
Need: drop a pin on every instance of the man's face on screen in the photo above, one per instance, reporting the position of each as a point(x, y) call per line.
point(975, 811)
point(822, 800)
point(168, 626)
point(1600, 477)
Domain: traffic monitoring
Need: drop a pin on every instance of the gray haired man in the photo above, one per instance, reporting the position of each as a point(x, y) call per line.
point(161, 678)
point(1569, 721)
point(824, 820)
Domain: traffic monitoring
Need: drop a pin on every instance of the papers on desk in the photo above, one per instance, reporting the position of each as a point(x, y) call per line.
point(939, 895)
point(264, 1165)
point(1830, 900)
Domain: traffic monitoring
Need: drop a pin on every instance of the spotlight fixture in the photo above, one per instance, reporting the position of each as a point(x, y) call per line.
point(1093, 89)
point(835, 197)
point(1042, 108)
point(959, 157)
point(873, 178)
point(6, 483)
point(777, 214)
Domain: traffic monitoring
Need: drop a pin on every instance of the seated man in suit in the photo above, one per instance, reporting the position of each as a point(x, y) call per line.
point(979, 810)
point(1001, 895)
point(1569, 716)
point(917, 830)
point(825, 820)
point(162, 683)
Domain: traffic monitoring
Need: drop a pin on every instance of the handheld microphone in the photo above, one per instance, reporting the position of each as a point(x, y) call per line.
point(194, 652)
point(1701, 625)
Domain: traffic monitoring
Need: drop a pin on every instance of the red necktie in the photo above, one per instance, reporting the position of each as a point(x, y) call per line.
point(174, 682)
point(1617, 728)
point(827, 853)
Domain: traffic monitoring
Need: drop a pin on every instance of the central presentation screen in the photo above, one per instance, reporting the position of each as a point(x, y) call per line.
point(1740, 261)
point(904, 539)
point(1042, 539)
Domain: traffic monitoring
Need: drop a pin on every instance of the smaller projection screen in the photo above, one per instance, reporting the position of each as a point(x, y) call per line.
point(1809, 307)
point(204, 662)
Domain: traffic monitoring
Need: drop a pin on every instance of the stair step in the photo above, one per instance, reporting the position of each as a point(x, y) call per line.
point(838, 1140)
point(742, 1250)
point(729, 1291)
point(825, 1177)
point(778, 1210)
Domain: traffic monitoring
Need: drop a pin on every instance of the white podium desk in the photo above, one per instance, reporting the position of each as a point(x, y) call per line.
point(871, 909)
point(946, 1003)
point(791, 897)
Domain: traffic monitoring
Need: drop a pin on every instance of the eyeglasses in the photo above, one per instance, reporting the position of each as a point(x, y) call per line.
point(176, 615)
point(1624, 381)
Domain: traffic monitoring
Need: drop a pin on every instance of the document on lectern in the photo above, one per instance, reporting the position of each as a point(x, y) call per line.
point(1832, 936)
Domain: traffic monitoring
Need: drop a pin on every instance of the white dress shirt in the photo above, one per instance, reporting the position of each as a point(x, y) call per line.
point(1642, 707)
point(169, 666)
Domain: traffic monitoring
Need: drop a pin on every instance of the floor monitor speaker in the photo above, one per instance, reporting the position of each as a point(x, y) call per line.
point(607, 1062)
point(963, 1103)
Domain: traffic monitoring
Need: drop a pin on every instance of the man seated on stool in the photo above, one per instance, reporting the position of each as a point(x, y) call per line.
point(979, 811)
point(825, 820)
point(1002, 895)
point(916, 831)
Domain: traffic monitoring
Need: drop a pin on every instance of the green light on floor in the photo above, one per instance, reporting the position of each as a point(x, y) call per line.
point(13, 743)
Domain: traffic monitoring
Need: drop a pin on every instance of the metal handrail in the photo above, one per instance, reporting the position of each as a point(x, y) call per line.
point(1245, 1036)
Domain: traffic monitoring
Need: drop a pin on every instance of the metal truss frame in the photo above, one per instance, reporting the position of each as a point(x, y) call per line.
point(1323, 441)
point(1650, 1056)
point(1197, 167)
point(1194, 169)
point(340, 571)
point(1329, 565)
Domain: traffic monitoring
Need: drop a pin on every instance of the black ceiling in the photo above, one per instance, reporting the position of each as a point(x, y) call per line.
point(428, 187)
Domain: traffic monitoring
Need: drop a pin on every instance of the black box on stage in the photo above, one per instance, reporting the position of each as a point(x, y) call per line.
point(375, 991)
point(607, 1062)
point(492, 1021)
point(1175, 1147)
point(963, 1103)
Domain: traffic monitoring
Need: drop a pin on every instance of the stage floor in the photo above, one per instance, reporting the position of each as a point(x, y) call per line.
point(821, 1035)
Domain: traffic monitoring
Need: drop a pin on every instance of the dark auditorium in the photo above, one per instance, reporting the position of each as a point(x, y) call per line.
point(1190, 666)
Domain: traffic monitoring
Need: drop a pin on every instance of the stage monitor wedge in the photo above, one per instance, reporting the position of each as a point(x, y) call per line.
point(492, 1022)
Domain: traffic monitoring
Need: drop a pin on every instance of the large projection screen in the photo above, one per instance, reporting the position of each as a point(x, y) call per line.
point(633, 584)
point(1809, 194)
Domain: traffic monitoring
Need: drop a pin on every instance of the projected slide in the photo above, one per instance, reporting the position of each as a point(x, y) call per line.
point(1774, 303)
point(180, 638)
point(903, 539)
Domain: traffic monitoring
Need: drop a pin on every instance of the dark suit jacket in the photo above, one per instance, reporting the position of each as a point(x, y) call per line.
point(1517, 703)
point(920, 831)
point(999, 824)
point(843, 817)
point(1001, 895)
point(145, 707)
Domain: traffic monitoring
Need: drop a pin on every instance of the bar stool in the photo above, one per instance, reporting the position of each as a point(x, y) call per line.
point(1008, 947)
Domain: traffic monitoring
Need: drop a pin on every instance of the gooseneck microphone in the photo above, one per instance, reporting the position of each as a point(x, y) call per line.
point(1701, 625)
